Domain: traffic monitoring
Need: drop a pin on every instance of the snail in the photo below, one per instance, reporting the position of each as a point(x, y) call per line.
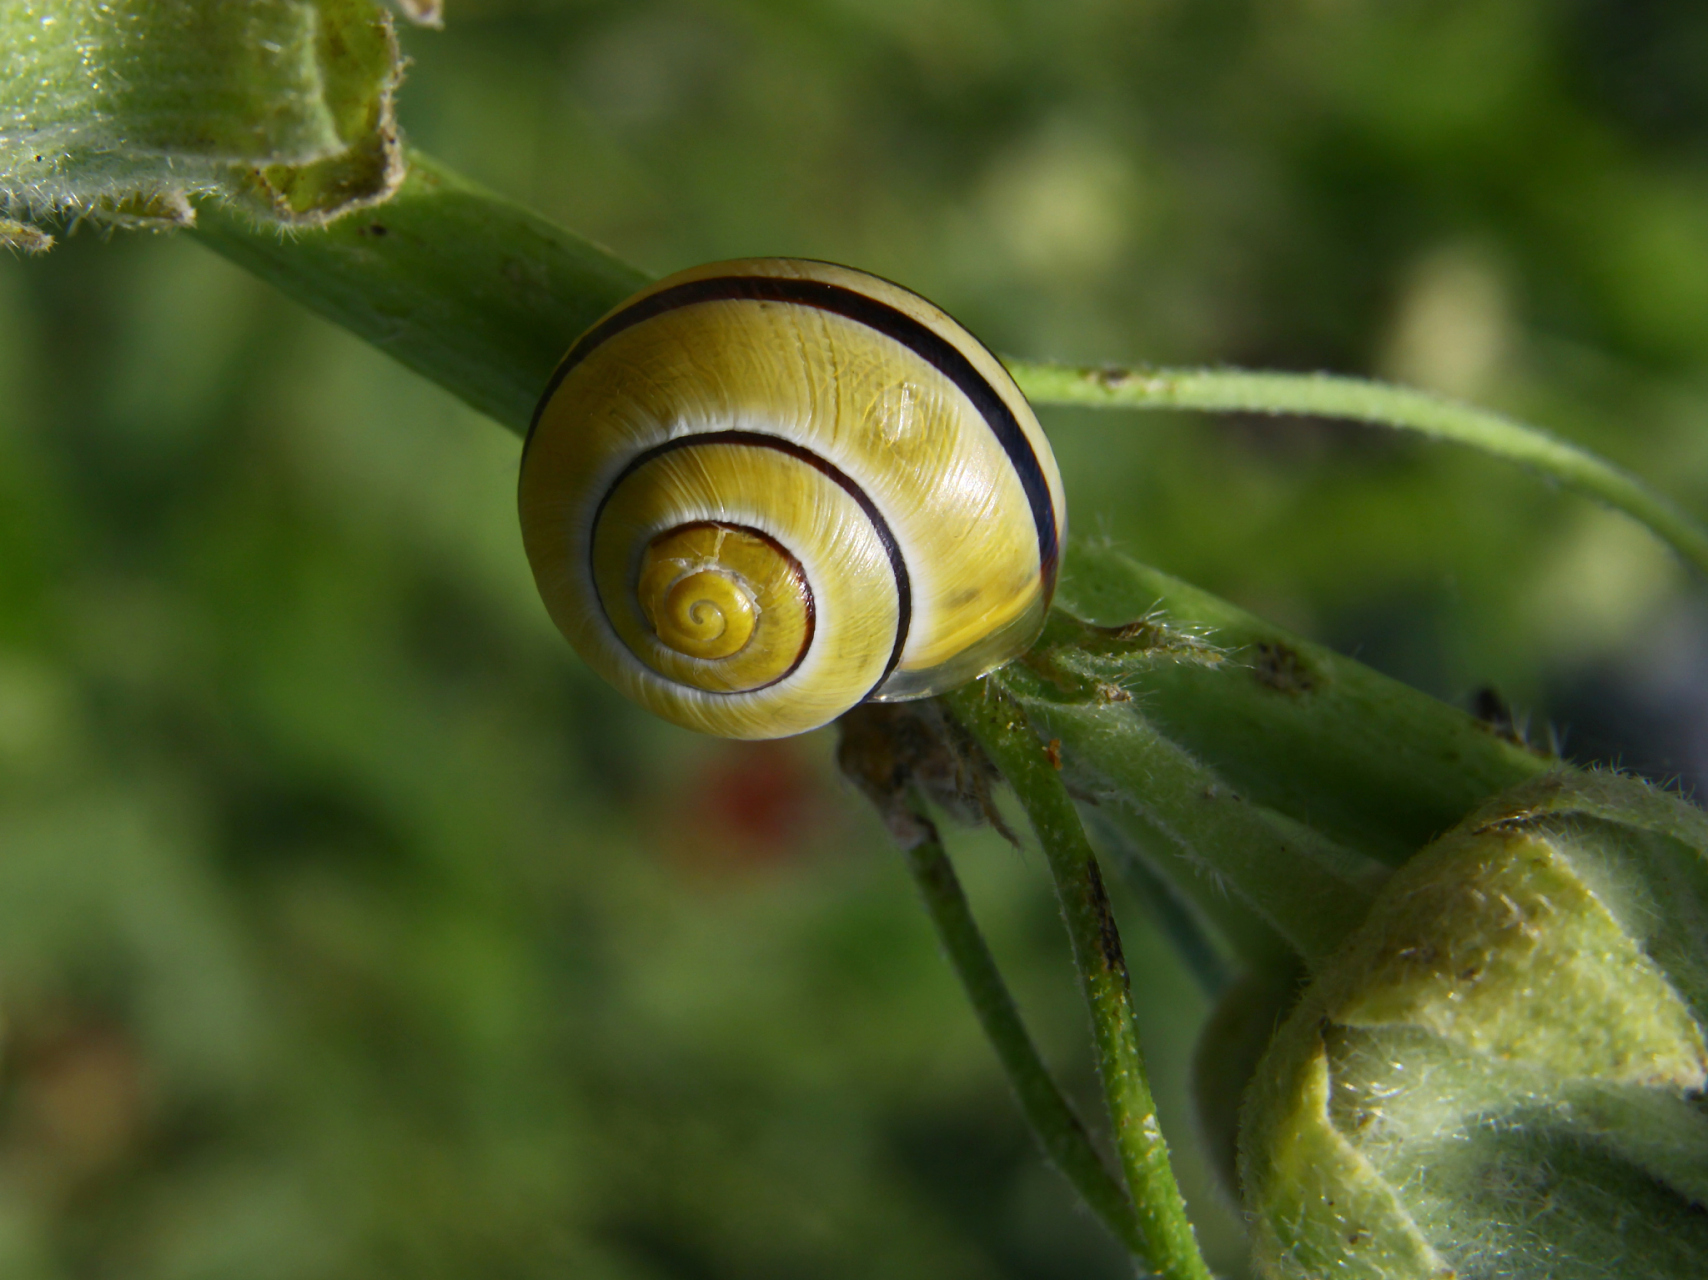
point(760, 492)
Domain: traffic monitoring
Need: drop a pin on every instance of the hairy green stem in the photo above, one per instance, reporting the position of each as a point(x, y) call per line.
point(1360, 757)
point(1000, 726)
point(1058, 1129)
point(1306, 888)
point(1382, 404)
point(1213, 957)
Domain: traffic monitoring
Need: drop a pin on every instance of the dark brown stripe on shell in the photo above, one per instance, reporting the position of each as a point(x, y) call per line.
point(800, 575)
point(918, 337)
point(755, 439)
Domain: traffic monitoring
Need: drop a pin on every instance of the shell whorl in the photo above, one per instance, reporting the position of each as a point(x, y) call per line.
point(761, 492)
point(706, 588)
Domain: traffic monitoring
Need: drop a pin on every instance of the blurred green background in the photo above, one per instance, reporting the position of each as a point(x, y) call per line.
point(348, 928)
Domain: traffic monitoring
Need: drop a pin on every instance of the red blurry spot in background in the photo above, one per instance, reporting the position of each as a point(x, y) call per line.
point(749, 805)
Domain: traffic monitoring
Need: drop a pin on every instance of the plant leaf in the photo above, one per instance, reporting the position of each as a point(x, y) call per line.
point(123, 110)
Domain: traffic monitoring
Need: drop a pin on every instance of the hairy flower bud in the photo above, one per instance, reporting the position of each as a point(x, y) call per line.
point(1500, 1074)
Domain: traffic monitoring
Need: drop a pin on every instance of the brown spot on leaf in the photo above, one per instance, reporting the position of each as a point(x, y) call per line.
point(1282, 668)
point(1495, 714)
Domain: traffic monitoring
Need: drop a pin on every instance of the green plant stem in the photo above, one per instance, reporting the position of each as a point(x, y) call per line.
point(1058, 1129)
point(1359, 400)
point(484, 297)
point(1307, 889)
point(469, 290)
point(1201, 940)
point(1368, 761)
point(1171, 1249)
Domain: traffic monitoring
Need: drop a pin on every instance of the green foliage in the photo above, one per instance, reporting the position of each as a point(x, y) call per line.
point(122, 110)
point(351, 931)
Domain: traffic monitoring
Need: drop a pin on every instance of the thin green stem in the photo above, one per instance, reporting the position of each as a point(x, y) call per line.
point(1213, 960)
point(1171, 1249)
point(1058, 1129)
point(1357, 399)
point(1308, 890)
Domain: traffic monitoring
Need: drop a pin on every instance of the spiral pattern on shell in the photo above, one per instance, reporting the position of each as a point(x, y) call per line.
point(760, 492)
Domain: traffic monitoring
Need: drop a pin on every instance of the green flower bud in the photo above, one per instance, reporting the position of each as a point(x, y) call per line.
point(1500, 1074)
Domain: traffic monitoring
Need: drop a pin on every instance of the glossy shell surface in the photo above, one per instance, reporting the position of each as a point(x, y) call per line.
point(760, 492)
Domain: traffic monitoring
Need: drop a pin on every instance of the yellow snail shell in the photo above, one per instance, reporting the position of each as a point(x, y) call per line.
point(760, 492)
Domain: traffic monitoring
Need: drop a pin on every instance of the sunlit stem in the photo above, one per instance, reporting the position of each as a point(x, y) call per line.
point(478, 294)
point(484, 296)
point(1378, 403)
point(1058, 1129)
point(1170, 1247)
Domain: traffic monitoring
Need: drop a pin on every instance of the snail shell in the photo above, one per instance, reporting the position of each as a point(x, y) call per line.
point(760, 492)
